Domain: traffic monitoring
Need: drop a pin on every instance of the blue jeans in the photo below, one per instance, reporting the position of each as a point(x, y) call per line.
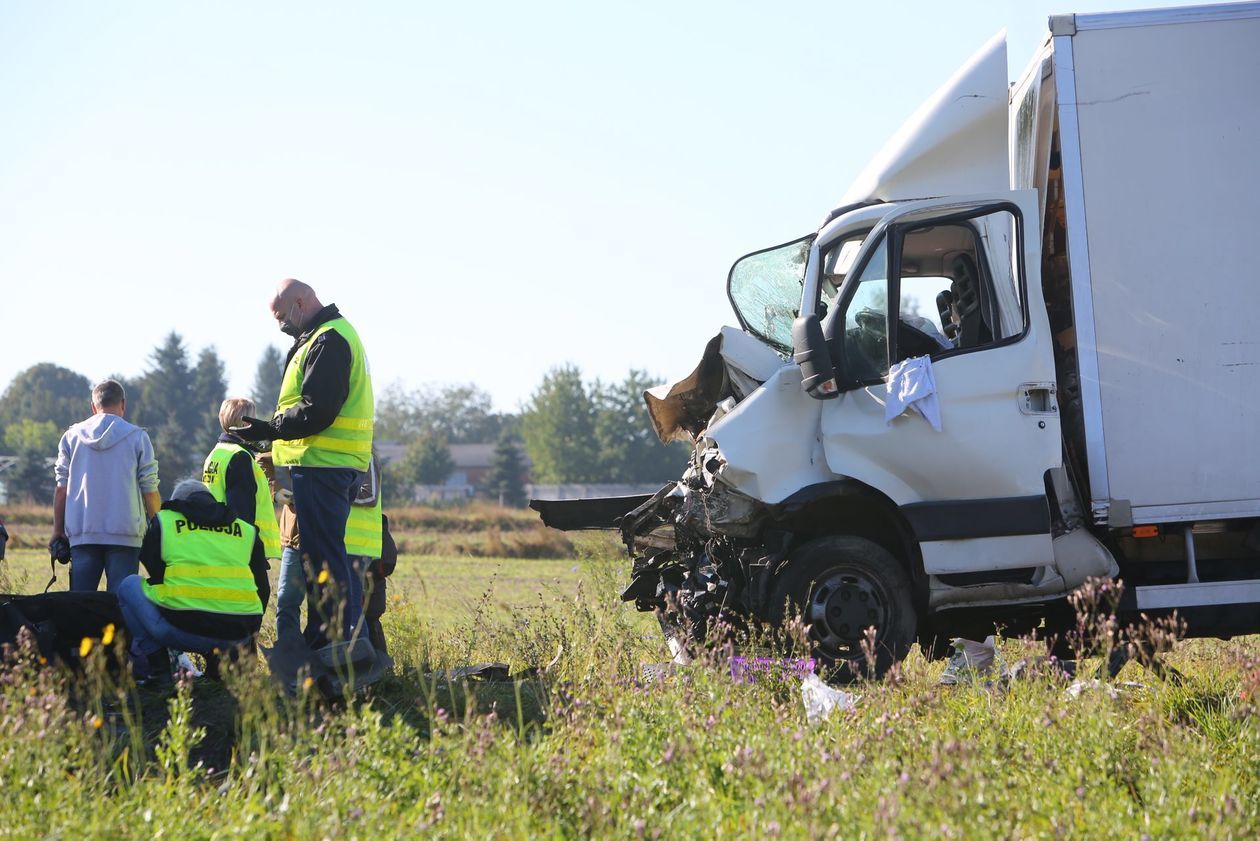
point(89, 560)
point(290, 593)
point(150, 632)
point(321, 500)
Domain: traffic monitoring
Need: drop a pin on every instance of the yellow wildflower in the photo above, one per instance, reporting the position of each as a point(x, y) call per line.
point(97, 721)
point(323, 576)
point(85, 647)
point(308, 683)
point(108, 636)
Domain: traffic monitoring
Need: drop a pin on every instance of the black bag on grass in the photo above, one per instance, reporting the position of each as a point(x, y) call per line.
point(59, 621)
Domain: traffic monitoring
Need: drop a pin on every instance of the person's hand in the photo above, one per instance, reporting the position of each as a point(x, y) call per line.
point(253, 429)
point(59, 549)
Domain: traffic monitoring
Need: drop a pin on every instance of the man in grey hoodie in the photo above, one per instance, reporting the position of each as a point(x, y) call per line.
point(107, 490)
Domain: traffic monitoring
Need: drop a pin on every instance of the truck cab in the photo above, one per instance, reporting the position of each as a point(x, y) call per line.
point(923, 423)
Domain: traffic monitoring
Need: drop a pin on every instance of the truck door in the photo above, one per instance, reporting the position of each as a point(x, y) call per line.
point(958, 282)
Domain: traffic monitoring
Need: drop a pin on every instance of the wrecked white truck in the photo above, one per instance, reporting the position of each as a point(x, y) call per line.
point(1024, 351)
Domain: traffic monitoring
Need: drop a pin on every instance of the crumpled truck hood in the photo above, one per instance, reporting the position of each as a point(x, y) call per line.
point(734, 364)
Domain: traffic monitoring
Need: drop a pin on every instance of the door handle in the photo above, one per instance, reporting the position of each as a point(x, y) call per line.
point(1038, 399)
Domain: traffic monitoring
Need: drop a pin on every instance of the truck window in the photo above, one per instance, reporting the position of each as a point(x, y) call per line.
point(957, 291)
point(866, 321)
point(960, 279)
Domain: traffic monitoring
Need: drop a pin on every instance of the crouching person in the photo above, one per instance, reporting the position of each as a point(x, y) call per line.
point(207, 584)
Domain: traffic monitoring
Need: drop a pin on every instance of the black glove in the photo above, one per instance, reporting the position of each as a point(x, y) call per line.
point(253, 430)
point(59, 548)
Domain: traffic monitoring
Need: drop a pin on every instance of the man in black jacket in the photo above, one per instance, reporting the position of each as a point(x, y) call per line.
point(199, 595)
point(322, 429)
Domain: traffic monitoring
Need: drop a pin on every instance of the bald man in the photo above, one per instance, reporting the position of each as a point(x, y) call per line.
point(322, 430)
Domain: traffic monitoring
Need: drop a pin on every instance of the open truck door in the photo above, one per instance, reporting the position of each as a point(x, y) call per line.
point(949, 288)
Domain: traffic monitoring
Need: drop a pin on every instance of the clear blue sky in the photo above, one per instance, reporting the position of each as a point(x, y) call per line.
point(487, 189)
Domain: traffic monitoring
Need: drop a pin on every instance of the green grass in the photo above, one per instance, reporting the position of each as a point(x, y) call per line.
point(588, 749)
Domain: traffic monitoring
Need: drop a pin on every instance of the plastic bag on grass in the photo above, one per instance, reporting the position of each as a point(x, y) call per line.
point(820, 699)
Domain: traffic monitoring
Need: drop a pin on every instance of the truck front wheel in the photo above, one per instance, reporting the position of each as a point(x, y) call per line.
point(839, 587)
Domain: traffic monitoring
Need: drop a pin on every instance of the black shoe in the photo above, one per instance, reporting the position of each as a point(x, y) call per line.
point(157, 672)
point(211, 670)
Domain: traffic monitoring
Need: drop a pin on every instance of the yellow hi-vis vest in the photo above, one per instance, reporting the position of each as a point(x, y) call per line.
point(214, 474)
point(363, 530)
point(347, 442)
point(207, 567)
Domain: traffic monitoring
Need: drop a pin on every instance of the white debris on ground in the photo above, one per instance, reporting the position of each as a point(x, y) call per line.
point(185, 664)
point(820, 699)
point(1113, 690)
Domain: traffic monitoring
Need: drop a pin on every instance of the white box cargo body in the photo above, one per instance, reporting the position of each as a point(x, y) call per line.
point(1159, 116)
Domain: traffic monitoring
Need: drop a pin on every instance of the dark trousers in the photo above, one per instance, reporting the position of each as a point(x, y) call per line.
point(321, 500)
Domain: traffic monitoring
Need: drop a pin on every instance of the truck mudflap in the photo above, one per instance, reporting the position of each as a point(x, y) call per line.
point(595, 513)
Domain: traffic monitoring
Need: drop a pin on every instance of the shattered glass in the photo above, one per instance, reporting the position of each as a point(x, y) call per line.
point(765, 290)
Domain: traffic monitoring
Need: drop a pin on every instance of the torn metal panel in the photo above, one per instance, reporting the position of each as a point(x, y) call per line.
point(721, 510)
point(734, 364)
point(576, 514)
point(679, 410)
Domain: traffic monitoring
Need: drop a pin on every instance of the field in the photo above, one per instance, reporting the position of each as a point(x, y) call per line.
point(583, 744)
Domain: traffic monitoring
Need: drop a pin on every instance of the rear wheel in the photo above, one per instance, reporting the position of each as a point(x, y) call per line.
point(839, 587)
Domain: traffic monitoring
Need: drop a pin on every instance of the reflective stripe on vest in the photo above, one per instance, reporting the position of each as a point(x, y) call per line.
point(207, 567)
point(214, 474)
point(347, 442)
point(363, 530)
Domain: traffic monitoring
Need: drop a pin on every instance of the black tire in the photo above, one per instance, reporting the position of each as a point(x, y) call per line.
point(840, 586)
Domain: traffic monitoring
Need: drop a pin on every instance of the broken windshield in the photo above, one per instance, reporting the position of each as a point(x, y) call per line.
point(765, 290)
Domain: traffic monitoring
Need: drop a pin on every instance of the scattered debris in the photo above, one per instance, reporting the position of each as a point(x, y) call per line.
point(655, 672)
point(185, 664)
point(972, 661)
point(1113, 690)
point(820, 699)
point(489, 672)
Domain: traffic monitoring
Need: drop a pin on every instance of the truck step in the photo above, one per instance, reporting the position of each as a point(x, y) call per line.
point(1205, 594)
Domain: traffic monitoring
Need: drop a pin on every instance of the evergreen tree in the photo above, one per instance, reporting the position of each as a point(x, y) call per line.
point(174, 420)
point(506, 481)
point(267, 379)
point(209, 388)
point(558, 425)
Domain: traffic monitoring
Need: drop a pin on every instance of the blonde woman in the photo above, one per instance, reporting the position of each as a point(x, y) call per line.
point(235, 478)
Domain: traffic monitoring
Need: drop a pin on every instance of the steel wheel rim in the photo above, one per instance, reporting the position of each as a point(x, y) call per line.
point(843, 603)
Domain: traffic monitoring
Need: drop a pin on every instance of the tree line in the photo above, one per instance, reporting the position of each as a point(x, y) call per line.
point(571, 430)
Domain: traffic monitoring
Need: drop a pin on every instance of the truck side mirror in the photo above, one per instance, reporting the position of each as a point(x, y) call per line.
point(809, 349)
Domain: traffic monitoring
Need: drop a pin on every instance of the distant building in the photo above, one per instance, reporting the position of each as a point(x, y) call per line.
point(472, 464)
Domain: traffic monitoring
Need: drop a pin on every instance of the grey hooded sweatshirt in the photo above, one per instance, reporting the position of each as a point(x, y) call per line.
point(105, 464)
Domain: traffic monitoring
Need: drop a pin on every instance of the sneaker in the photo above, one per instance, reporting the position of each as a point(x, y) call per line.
point(971, 660)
